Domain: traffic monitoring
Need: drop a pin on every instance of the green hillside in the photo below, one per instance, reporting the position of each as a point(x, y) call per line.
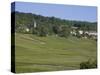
point(51, 53)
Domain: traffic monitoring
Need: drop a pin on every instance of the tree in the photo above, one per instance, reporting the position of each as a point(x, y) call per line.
point(78, 35)
point(43, 31)
point(34, 31)
point(56, 29)
point(64, 31)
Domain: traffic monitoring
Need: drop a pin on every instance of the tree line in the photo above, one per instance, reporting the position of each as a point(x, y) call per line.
point(48, 25)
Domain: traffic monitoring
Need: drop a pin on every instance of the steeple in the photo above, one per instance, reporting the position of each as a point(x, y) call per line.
point(34, 24)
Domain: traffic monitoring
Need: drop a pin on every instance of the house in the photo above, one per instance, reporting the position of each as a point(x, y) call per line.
point(27, 29)
point(93, 34)
point(84, 34)
point(80, 32)
point(73, 31)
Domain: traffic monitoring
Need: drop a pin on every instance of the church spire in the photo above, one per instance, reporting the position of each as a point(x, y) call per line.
point(34, 24)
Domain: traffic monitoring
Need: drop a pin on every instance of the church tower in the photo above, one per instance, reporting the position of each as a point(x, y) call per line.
point(34, 24)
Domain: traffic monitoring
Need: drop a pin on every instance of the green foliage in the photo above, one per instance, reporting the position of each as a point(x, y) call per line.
point(88, 64)
point(78, 34)
point(34, 31)
point(43, 31)
point(56, 29)
point(64, 31)
point(50, 25)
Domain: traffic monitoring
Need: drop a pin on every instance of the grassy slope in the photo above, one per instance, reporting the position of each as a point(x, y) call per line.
point(51, 53)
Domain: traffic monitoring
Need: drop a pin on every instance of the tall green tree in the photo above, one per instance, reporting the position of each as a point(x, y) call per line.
point(64, 31)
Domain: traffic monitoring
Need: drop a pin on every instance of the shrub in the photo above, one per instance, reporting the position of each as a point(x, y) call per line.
point(88, 64)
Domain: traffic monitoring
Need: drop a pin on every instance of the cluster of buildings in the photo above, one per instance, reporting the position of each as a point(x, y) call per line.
point(84, 34)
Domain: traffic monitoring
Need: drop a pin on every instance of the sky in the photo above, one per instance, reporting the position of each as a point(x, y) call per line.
point(68, 12)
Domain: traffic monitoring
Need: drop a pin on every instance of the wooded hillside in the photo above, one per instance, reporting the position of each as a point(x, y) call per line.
point(48, 25)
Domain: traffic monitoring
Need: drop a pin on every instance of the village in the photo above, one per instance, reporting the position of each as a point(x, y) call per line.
point(75, 31)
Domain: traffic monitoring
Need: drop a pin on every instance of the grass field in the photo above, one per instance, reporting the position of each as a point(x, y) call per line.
point(51, 53)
